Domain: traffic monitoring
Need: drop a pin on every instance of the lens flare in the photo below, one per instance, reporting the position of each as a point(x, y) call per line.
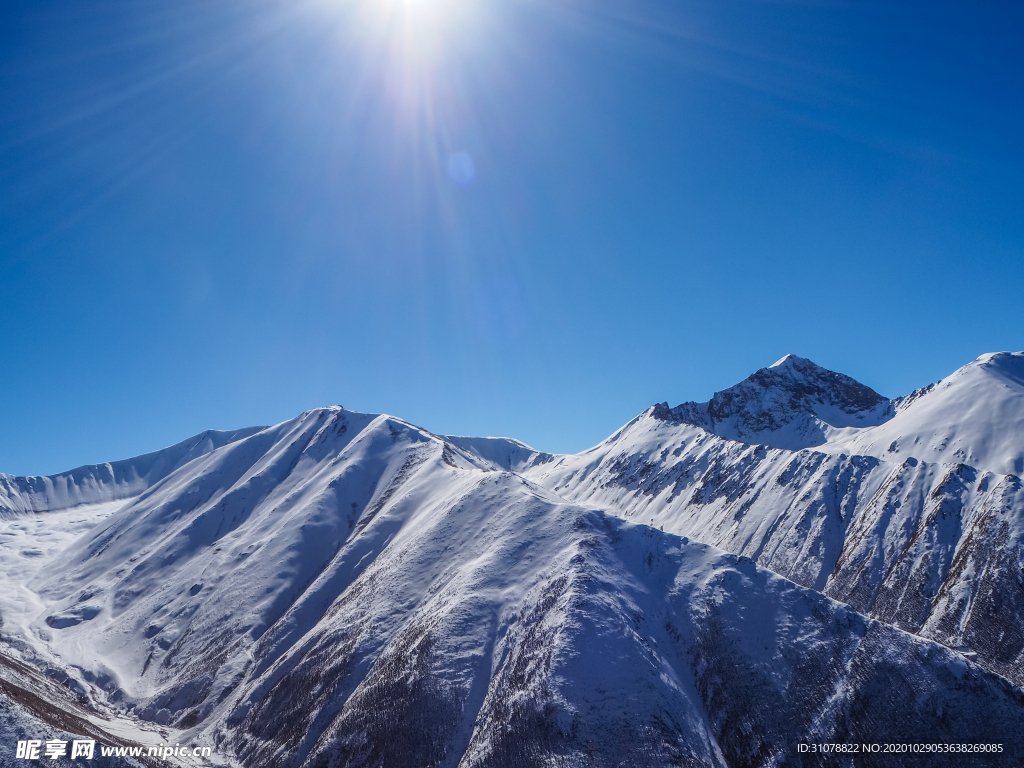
point(461, 168)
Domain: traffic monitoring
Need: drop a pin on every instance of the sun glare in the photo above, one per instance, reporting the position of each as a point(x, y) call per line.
point(419, 62)
point(408, 42)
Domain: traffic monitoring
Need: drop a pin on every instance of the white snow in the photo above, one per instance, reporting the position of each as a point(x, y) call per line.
point(974, 416)
point(34, 544)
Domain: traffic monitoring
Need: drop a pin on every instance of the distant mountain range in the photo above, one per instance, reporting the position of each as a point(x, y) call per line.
point(798, 560)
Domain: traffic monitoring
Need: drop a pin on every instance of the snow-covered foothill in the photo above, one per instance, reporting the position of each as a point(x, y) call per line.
point(500, 452)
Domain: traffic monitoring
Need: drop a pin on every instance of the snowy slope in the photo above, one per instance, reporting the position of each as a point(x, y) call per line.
point(348, 589)
point(974, 417)
point(500, 452)
point(556, 635)
point(37, 707)
point(32, 544)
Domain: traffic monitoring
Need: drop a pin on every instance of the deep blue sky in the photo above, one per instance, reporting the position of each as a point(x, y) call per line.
point(519, 217)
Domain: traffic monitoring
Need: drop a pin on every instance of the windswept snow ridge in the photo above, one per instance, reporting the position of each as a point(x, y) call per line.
point(97, 483)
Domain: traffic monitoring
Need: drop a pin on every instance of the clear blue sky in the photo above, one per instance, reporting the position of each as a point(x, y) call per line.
point(506, 217)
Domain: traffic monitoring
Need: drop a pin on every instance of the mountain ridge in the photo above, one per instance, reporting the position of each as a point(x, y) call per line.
point(350, 589)
point(108, 481)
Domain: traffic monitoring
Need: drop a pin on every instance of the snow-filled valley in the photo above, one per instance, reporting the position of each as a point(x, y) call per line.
point(799, 560)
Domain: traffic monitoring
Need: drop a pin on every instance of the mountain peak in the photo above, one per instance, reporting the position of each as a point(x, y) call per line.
point(1006, 365)
point(790, 361)
point(794, 403)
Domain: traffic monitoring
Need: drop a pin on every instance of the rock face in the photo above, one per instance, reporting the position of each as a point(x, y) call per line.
point(792, 404)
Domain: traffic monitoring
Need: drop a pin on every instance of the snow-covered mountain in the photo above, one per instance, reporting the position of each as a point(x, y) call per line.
point(346, 589)
point(934, 548)
point(499, 452)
